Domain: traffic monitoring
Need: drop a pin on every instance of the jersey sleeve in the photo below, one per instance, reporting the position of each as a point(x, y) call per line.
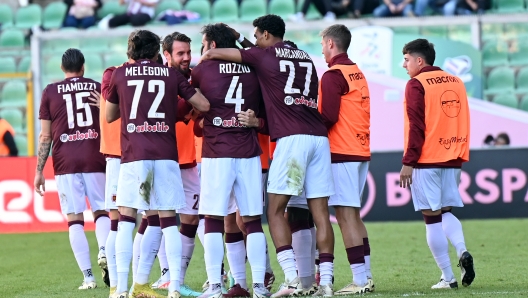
point(44, 111)
point(111, 94)
point(196, 76)
point(252, 56)
point(185, 90)
point(105, 82)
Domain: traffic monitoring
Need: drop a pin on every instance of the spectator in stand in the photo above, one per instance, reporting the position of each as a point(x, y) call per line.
point(7, 139)
point(81, 13)
point(323, 6)
point(353, 8)
point(139, 13)
point(503, 139)
point(392, 8)
point(467, 7)
point(445, 7)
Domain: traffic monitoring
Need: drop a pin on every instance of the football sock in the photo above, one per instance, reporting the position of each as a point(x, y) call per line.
point(173, 248)
point(149, 249)
point(236, 256)
point(326, 268)
point(268, 262)
point(256, 251)
point(286, 260)
point(80, 248)
point(303, 255)
point(164, 264)
point(136, 250)
point(102, 229)
point(366, 253)
point(356, 260)
point(438, 245)
point(188, 233)
point(313, 251)
point(214, 250)
point(453, 230)
point(124, 251)
point(110, 252)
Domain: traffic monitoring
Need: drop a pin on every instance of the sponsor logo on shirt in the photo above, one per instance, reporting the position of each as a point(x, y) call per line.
point(79, 136)
point(145, 127)
point(446, 142)
point(311, 103)
point(233, 122)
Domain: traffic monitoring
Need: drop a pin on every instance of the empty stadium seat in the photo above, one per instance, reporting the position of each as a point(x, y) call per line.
point(519, 57)
point(202, 7)
point(500, 80)
point(15, 117)
point(111, 7)
point(312, 12)
point(25, 64)
point(495, 54)
point(283, 8)
point(22, 144)
point(28, 16)
point(168, 4)
point(6, 16)
point(522, 81)
point(510, 6)
point(224, 11)
point(93, 66)
point(492, 31)
point(524, 103)
point(90, 45)
point(114, 60)
point(53, 15)
point(13, 94)
point(506, 99)
point(252, 9)
point(436, 31)
point(7, 64)
point(11, 38)
point(52, 67)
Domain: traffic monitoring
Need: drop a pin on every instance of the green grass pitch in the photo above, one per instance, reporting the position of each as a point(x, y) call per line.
point(42, 265)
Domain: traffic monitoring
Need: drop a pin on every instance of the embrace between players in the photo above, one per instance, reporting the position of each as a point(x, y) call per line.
point(320, 133)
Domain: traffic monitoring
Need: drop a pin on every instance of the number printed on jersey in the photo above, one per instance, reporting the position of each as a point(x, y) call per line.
point(233, 96)
point(80, 116)
point(154, 86)
point(291, 91)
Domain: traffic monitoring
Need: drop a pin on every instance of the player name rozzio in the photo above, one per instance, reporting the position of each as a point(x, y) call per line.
point(442, 79)
point(234, 68)
point(147, 71)
point(78, 86)
point(291, 54)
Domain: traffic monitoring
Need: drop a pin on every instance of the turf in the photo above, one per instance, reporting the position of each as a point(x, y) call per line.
point(42, 265)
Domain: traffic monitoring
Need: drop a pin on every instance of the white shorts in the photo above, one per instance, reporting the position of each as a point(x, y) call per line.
point(112, 176)
point(191, 187)
point(350, 179)
point(264, 192)
point(74, 188)
point(301, 162)
point(298, 201)
point(232, 207)
point(435, 188)
point(150, 185)
point(222, 176)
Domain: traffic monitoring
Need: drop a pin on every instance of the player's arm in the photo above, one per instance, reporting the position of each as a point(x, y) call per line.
point(199, 101)
point(112, 112)
point(333, 85)
point(184, 110)
point(243, 41)
point(44, 146)
point(415, 95)
point(198, 126)
point(232, 55)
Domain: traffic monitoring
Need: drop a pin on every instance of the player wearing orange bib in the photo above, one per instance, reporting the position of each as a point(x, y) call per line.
point(436, 143)
point(7, 141)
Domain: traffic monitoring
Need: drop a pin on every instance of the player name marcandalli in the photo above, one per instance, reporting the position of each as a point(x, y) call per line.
point(234, 68)
point(291, 54)
point(79, 86)
point(147, 71)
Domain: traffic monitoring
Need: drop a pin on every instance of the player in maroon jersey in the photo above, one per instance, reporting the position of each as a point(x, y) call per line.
point(302, 157)
point(145, 95)
point(69, 121)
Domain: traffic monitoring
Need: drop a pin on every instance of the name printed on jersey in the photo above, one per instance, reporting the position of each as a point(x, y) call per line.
point(147, 71)
point(76, 86)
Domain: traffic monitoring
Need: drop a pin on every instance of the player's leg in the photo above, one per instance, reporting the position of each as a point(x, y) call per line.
point(426, 195)
point(73, 204)
point(164, 280)
point(452, 226)
point(236, 255)
point(301, 236)
point(314, 257)
point(136, 245)
point(112, 176)
point(149, 247)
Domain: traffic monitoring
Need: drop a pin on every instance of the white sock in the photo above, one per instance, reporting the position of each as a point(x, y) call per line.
point(162, 257)
point(201, 231)
point(313, 251)
point(81, 250)
point(327, 271)
point(303, 255)
point(149, 249)
point(123, 254)
point(187, 252)
point(286, 260)
point(214, 255)
point(268, 261)
point(453, 230)
point(439, 246)
point(173, 248)
point(110, 257)
point(102, 229)
point(236, 256)
point(136, 250)
point(359, 274)
point(256, 252)
point(367, 266)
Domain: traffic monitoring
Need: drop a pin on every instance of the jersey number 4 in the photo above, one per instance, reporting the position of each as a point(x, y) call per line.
point(233, 98)
point(81, 122)
point(288, 89)
point(153, 111)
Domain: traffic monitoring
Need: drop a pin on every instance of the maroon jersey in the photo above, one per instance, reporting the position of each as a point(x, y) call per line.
point(230, 89)
point(289, 86)
point(74, 126)
point(147, 94)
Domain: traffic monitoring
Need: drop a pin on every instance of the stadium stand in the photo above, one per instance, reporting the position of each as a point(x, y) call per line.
point(6, 16)
point(53, 15)
point(13, 94)
point(506, 99)
point(12, 38)
point(283, 8)
point(29, 16)
point(14, 117)
point(252, 9)
point(224, 11)
point(500, 80)
point(203, 7)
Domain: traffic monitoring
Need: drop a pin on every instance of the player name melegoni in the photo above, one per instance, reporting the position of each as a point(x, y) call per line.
point(147, 71)
point(79, 86)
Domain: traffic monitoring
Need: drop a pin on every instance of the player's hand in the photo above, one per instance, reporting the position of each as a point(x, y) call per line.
point(95, 99)
point(248, 118)
point(406, 176)
point(39, 181)
point(235, 33)
point(201, 123)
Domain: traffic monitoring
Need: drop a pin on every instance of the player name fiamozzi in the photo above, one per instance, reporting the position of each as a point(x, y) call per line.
point(291, 54)
point(145, 70)
point(234, 68)
point(78, 86)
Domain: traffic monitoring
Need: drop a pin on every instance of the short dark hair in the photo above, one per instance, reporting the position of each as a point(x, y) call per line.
point(143, 44)
point(72, 60)
point(221, 34)
point(271, 23)
point(340, 35)
point(290, 43)
point(504, 136)
point(423, 48)
point(169, 40)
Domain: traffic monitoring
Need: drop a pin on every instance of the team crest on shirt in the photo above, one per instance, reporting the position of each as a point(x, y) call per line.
point(217, 121)
point(288, 100)
point(131, 127)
